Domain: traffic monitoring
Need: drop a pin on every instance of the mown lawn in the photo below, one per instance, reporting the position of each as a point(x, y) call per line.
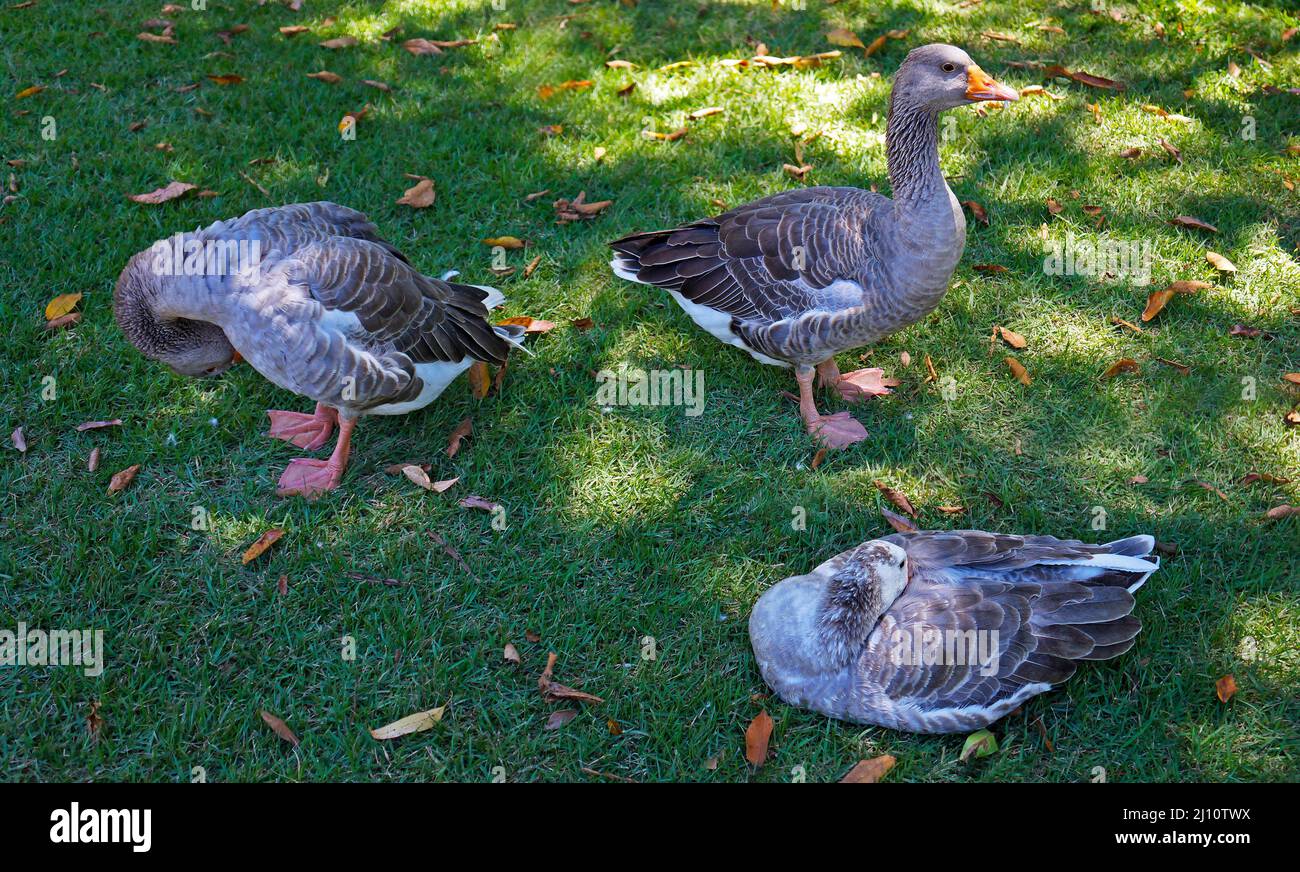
point(640, 521)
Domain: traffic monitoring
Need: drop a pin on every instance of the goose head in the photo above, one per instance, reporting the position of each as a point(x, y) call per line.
point(147, 307)
point(817, 623)
point(939, 77)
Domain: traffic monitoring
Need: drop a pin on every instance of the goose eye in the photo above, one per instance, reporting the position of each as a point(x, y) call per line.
point(902, 563)
point(948, 68)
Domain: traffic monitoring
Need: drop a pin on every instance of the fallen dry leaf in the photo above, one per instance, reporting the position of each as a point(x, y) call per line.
point(161, 195)
point(416, 723)
point(1083, 78)
point(898, 522)
point(1018, 370)
point(532, 267)
point(869, 771)
point(92, 463)
point(280, 727)
point(29, 92)
point(1220, 262)
point(463, 429)
point(226, 79)
point(508, 242)
point(897, 497)
point(553, 691)
point(474, 501)
point(1131, 153)
point(94, 723)
point(705, 112)
point(1183, 369)
point(510, 654)
point(757, 736)
point(479, 382)
point(98, 425)
point(530, 325)
point(1190, 221)
point(421, 477)
point(582, 325)
point(339, 42)
point(1225, 688)
point(265, 541)
point(418, 197)
point(61, 305)
point(578, 209)
point(1124, 364)
point(845, 38)
point(122, 480)
point(1015, 340)
point(292, 30)
point(559, 718)
point(1292, 377)
point(1277, 513)
point(1157, 300)
point(977, 211)
point(326, 76)
point(155, 37)
point(546, 92)
point(19, 440)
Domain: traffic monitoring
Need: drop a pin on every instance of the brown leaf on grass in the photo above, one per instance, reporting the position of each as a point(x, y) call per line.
point(1209, 487)
point(29, 92)
point(818, 458)
point(1157, 300)
point(665, 137)
point(1267, 478)
point(951, 510)
point(418, 197)
point(226, 79)
point(508, 242)
point(553, 691)
point(1124, 364)
point(463, 429)
point(1277, 513)
point(931, 374)
point(620, 65)
point(578, 209)
point(876, 45)
point(869, 771)
point(1138, 479)
point(1053, 206)
point(161, 195)
point(1220, 262)
point(282, 586)
point(98, 425)
point(532, 635)
point(19, 440)
point(582, 325)
point(898, 522)
point(991, 268)
point(559, 718)
point(1172, 150)
point(705, 112)
point(546, 92)
point(1183, 369)
point(1225, 688)
point(844, 38)
point(339, 42)
point(1248, 332)
point(292, 30)
point(1292, 377)
point(122, 480)
point(94, 723)
point(1292, 418)
point(532, 267)
point(265, 541)
point(977, 211)
point(421, 477)
point(92, 463)
point(551, 129)
point(530, 325)
point(416, 723)
point(326, 76)
point(510, 654)
point(1131, 153)
point(280, 727)
point(1193, 222)
point(420, 46)
point(1083, 78)
point(897, 497)
point(226, 35)
point(61, 305)
point(474, 501)
point(757, 736)
point(1018, 370)
point(156, 37)
point(1015, 340)
point(797, 172)
point(479, 381)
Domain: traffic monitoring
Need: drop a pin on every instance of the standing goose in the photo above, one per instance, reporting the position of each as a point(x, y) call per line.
point(800, 276)
point(321, 306)
point(943, 632)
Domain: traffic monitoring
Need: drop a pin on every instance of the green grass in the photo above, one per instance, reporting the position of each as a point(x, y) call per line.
point(641, 521)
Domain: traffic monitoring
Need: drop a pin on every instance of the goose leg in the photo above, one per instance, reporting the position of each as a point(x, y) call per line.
point(861, 384)
point(308, 477)
point(306, 431)
point(833, 431)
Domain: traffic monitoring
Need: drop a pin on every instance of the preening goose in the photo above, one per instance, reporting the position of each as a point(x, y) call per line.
point(320, 305)
point(942, 632)
point(799, 276)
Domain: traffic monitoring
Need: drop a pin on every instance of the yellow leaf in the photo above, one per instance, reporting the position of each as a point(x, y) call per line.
point(845, 37)
point(416, 723)
point(869, 771)
point(265, 541)
point(61, 305)
point(511, 242)
point(1220, 262)
point(27, 92)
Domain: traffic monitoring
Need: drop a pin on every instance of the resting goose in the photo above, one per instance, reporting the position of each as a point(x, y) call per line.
point(882, 633)
point(323, 307)
point(800, 276)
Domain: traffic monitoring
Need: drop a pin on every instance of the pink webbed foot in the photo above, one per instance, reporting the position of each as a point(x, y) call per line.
point(862, 384)
point(308, 478)
point(308, 432)
point(836, 431)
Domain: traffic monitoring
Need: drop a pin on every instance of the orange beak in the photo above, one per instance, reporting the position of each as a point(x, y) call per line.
point(235, 358)
point(981, 86)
